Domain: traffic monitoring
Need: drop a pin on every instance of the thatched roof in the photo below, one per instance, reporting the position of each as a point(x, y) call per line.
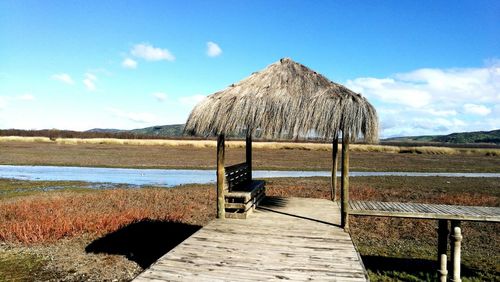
point(284, 101)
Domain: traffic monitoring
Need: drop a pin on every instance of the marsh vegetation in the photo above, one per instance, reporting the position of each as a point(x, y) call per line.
point(64, 233)
point(44, 227)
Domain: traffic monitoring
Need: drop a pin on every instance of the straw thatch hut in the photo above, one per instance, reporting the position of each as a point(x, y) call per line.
point(286, 101)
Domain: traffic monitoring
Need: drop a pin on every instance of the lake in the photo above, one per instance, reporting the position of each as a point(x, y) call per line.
point(173, 177)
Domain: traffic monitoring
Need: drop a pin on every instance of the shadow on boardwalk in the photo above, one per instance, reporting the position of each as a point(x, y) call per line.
point(143, 242)
point(273, 204)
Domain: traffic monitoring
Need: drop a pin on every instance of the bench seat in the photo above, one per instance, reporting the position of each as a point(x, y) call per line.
point(243, 194)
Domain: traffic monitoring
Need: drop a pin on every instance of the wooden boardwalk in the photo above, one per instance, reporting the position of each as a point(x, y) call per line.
point(425, 211)
point(284, 239)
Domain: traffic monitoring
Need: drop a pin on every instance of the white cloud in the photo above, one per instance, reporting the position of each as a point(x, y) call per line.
point(160, 96)
point(213, 50)
point(191, 101)
point(433, 101)
point(150, 53)
point(134, 116)
point(474, 109)
point(6, 100)
point(26, 97)
point(425, 86)
point(391, 91)
point(89, 81)
point(129, 63)
point(63, 77)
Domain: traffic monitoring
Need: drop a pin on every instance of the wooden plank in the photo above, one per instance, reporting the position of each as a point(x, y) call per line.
point(404, 207)
point(369, 205)
point(395, 207)
point(421, 208)
point(357, 205)
point(489, 210)
point(426, 211)
point(387, 206)
point(297, 240)
point(364, 206)
point(485, 211)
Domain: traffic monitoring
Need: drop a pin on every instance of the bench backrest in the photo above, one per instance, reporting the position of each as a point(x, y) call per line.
point(236, 175)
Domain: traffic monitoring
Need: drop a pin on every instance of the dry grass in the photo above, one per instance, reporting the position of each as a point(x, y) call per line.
point(46, 217)
point(108, 155)
point(256, 145)
point(4, 139)
point(49, 217)
point(285, 100)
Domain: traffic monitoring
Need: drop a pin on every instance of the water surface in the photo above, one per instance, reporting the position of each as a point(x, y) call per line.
point(173, 177)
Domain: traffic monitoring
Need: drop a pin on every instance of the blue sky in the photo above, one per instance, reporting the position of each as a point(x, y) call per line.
point(429, 67)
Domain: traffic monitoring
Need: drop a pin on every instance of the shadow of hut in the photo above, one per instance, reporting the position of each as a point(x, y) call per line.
point(143, 242)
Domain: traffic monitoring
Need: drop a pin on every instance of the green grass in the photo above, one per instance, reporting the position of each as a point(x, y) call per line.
point(21, 266)
point(414, 260)
point(391, 275)
point(10, 188)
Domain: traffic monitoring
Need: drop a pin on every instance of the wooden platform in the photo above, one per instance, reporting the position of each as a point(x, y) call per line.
point(284, 239)
point(425, 211)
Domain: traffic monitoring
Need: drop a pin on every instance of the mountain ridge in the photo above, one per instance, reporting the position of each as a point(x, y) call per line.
point(491, 137)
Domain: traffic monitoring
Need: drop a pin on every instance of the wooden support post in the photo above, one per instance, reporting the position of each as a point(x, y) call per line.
point(335, 150)
point(456, 244)
point(344, 189)
point(220, 177)
point(249, 155)
point(442, 248)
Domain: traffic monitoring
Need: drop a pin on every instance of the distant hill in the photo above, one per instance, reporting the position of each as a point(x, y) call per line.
point(454, 138)
point(476, 139)
point(172, 130)
point(105, 130)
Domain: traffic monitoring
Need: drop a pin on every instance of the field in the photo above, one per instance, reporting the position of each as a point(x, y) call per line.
point(96, 234)
point(280, 156)
point(71, 231)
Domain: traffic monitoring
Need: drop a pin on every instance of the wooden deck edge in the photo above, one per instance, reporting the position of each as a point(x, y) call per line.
point(367, 277)
point(423, 215)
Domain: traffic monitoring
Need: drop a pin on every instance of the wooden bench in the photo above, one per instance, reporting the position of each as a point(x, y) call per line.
point(242, 193)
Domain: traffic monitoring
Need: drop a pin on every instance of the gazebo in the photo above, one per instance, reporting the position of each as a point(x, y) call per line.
point(286, 100)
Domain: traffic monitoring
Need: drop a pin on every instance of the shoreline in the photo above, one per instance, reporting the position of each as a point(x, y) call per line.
point(172, 177)
point(185, 157)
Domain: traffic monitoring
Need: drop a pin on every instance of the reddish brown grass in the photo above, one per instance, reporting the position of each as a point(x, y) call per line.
point(51, 216)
